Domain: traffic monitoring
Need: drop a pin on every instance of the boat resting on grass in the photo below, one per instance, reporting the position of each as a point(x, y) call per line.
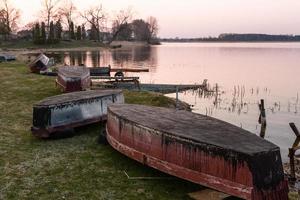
point(73, 78)
point(58, 114)
point(7, 57)
point(200, 149)
point(41, 64)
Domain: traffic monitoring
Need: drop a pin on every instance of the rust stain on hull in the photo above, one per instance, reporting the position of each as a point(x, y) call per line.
point(185, 159)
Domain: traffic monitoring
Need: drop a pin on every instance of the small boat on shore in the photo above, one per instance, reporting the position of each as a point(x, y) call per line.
point(200, 149)
point(105, 71)
point(7, 57)
point(73, 78)
point(67, 111)
point(41, 64)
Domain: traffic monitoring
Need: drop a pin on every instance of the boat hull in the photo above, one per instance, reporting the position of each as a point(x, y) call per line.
point(39, 64)
point(72, 79)
point(61, 113)
point(198, 163)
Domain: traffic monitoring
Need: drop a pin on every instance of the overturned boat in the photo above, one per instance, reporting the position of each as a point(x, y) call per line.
point(7, 57)
point(67, 111)
point(200, 149)
point(73, 78)
point(41, 64)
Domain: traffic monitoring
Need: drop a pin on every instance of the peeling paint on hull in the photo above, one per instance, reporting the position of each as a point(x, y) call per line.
point(62, 112)
point(72, 79)
point(154, 138)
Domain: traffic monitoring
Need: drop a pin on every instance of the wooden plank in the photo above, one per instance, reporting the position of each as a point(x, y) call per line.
point(129, 69)
point(161, 88)
point(114, 78)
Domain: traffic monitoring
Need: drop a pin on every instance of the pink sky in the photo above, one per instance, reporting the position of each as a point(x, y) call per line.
point(197, 18)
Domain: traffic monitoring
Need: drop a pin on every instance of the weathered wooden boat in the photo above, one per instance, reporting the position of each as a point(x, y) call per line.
point(41, 63)
point(73, 78)
point(67, 111)
point(100, 71)
point(105, 71)
point(7, 57)
point(200, 149)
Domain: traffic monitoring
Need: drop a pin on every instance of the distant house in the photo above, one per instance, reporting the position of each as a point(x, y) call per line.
point(65, 35)
point(104, 36)
point(24, 34)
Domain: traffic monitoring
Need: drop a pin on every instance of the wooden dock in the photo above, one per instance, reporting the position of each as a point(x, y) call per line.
point(131, 83)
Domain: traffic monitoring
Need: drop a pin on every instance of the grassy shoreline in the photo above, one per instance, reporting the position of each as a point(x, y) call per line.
point(66, 45)
point(71, 168)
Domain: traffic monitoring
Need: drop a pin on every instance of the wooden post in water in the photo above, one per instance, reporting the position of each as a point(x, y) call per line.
point(177, 103)
point(262, 118)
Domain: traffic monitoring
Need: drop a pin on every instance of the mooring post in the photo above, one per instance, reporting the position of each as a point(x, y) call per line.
point(177, 97)
point(292, 164)
point(294, 128)
point(262, 118)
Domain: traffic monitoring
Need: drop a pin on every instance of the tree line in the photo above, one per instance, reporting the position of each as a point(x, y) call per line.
point(61, 20)
point(234, 37)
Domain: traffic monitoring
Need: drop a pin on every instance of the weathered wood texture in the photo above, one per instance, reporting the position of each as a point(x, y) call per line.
point(71, 78)
point(161, 88)
point(198, 148)
point(62, 112)
point(39, 63)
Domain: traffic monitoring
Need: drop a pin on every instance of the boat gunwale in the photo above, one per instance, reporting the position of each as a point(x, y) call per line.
point(51, 105)
point(62, 71)
point(194, 141)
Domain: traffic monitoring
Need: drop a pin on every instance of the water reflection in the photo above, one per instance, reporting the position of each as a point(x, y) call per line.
point(129, 57)
point(136, 54)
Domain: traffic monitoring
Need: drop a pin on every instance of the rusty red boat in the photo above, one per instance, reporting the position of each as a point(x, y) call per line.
point(200, 149)
point(73, 78)
point(58, 114)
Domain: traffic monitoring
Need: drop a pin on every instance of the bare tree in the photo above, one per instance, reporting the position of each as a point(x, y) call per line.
point(96, 17)
point(153, 27)
point(67, 12)
point(121, 22)
point(50, 10)
point(9, 16)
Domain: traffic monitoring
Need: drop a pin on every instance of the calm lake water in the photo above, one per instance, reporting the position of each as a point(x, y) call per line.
point(244, 72)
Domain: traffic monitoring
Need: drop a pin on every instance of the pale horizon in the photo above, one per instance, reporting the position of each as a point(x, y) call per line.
point(197, 18)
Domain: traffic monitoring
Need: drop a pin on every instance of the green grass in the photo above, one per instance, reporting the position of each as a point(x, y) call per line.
point(62, 44)
point(71, 168)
